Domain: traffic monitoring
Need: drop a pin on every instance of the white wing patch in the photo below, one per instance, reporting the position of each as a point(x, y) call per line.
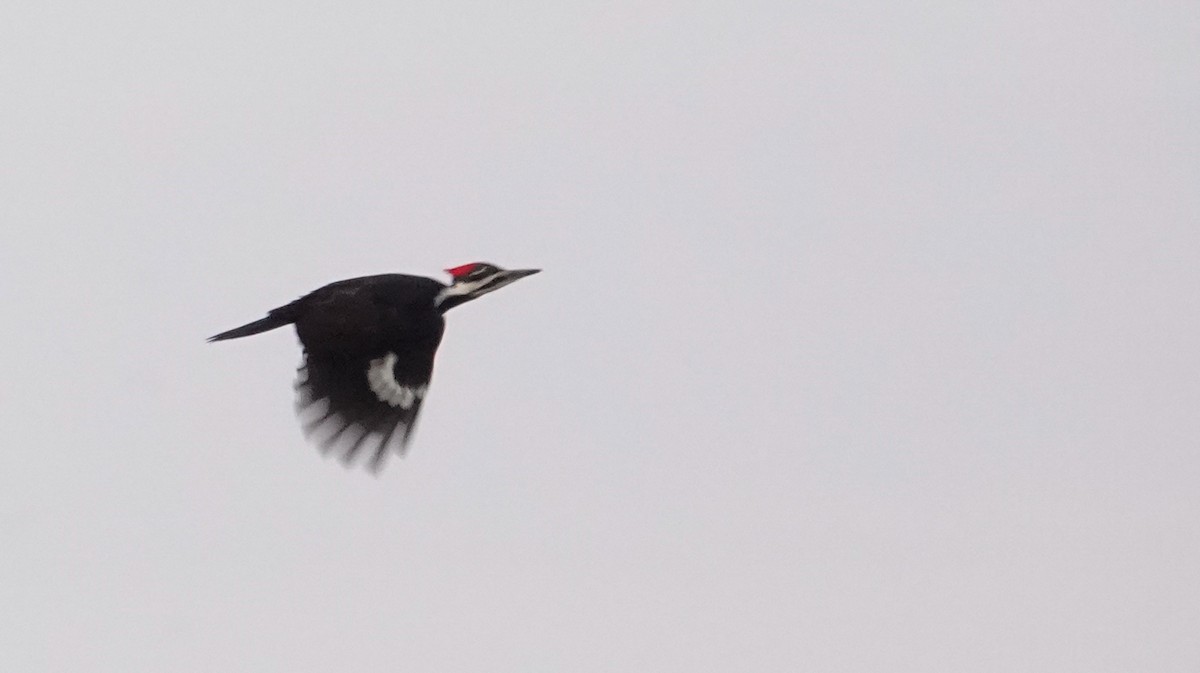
point(381, 375)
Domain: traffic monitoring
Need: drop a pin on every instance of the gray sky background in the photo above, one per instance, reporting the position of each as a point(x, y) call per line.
point(866, 341)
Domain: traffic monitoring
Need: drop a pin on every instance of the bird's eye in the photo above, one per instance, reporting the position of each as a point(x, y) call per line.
point(481, 271)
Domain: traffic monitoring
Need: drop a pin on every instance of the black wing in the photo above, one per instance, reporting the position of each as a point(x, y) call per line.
point(367, 404)
point(369, 348)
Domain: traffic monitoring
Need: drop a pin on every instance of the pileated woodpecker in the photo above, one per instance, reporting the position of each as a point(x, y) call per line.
point(368, 352)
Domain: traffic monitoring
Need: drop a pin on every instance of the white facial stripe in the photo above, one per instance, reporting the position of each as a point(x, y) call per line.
point(381, 376)
point(473, 288)
point(454, 291)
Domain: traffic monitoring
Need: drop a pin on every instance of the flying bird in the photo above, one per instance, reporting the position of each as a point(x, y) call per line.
point(369, 345)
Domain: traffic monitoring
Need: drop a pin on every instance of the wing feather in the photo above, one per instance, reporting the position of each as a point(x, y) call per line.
point(341, 413)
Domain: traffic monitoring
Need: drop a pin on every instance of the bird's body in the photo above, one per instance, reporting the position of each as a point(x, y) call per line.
point(369, 345)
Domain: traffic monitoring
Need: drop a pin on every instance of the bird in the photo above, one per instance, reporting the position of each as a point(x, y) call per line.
point(368, 350)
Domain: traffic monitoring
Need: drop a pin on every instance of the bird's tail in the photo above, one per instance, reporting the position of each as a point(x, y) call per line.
point(285, 315)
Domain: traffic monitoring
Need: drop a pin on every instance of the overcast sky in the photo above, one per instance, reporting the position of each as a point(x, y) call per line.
point(866, 341)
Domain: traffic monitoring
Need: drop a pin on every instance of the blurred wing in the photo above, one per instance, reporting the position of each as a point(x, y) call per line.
point(348, 406)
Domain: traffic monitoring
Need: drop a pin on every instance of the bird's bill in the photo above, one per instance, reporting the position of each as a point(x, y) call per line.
point(506, 277)
point(517, 274)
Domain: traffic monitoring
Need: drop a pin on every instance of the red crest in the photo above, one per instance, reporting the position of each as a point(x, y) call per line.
point(460, 271)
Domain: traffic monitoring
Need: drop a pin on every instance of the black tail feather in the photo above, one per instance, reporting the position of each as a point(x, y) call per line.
point(276, 318)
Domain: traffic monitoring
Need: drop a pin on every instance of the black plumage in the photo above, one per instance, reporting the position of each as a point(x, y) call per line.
point(369, 346)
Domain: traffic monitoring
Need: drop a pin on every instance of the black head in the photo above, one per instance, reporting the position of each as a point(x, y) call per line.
point(475, 280)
